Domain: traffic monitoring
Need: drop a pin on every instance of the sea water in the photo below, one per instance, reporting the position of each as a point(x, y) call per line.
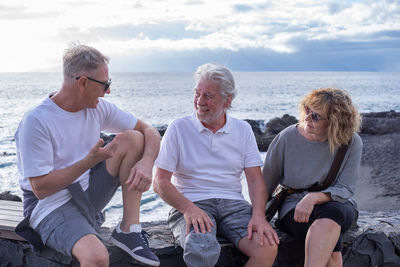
point(158, 98)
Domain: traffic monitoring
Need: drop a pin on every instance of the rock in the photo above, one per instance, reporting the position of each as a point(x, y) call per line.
point(374, 123)
point(265, 134)
point(6, 195)
point(161, 129)
point(378, 123)
point(384, 225)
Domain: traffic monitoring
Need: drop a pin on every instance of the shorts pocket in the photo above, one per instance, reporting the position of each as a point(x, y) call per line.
point(47, 227)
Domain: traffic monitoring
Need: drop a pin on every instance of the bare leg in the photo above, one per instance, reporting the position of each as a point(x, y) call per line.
point(321, 239)
point(90, 251)
point(335, 260)
point(258, 255)
point(130, 149)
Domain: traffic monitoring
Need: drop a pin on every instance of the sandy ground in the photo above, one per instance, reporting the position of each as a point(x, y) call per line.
point(378, 187)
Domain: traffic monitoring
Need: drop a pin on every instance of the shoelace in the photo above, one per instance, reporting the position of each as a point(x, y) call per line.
point(144, 236)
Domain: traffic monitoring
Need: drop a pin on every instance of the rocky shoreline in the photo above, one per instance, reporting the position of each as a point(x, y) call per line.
point(375, 241)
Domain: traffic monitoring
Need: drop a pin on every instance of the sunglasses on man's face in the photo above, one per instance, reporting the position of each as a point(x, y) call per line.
point(106, 84)
point(314, 116)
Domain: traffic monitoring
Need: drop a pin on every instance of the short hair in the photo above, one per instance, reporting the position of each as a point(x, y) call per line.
point(82, 60)
point(219, 75)
point(336, 105)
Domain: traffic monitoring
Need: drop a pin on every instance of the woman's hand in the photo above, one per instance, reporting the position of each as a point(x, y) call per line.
point(306, 205)
point(304, 209)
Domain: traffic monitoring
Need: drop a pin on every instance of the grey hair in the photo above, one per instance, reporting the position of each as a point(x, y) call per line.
point(82, 60)
point(219, 75)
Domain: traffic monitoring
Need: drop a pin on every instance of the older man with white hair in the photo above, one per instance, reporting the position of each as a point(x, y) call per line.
point(206, 153)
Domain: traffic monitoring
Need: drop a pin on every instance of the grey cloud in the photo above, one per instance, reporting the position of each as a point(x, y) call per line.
point(335, 8)
point(339, 55)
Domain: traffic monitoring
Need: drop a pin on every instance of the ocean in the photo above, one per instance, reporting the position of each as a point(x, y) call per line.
point(158, 98)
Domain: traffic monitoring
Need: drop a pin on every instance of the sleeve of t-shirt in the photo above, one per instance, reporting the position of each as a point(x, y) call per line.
point(252, 155)
point(274, 163)
point(35, 150)
point(345, 185)
point(168, 157)
point(115, 119)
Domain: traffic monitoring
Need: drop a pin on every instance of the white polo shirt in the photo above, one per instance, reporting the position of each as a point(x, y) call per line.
point(207, 165)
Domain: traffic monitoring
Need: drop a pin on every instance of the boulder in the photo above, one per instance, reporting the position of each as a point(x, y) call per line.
point(379, 123)
point(377, 232)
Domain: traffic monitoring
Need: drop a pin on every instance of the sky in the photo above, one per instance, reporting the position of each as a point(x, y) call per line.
point(175, 36)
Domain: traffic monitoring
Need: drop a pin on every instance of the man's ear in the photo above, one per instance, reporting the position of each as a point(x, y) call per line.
point(228, 101)
point(81, 82)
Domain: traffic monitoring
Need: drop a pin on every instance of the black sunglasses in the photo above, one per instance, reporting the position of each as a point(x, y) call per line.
point(314, 116)
point(106, 84)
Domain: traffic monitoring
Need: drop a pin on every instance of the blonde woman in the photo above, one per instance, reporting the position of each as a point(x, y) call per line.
point(300, 156)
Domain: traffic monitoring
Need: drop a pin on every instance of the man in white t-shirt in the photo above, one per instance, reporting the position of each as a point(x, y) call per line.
point(67, 174)
point(206, 154)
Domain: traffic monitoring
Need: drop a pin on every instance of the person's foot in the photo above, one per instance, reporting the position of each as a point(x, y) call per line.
point(136, 245)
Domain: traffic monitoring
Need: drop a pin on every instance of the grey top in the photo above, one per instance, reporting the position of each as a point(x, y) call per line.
point(296, 162)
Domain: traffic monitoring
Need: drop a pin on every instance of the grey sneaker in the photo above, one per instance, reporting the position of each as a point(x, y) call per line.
point(136, 245)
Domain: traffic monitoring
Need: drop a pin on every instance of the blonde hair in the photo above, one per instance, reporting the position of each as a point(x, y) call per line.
point(337, 107)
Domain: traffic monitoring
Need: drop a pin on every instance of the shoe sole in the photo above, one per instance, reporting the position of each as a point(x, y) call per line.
point(136, 257)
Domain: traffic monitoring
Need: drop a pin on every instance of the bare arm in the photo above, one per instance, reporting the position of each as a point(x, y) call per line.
point(168, 192)
point(57, 180)
point(144, 167)
point(258, 197)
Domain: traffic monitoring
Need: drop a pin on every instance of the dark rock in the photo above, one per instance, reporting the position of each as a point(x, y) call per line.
point(161, 129)
point(291, 252)
point(374, 123)
point(257, 126)
point(382, 114)
point(272, 128)
point(379, 126)
point(276, 125)
point(6, 195)
point(107, 138)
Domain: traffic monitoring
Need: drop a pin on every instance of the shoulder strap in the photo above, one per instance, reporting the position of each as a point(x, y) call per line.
point(333, 171)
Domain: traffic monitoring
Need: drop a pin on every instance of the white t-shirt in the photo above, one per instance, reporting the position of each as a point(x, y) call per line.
point(207, 165)
point(50, 138)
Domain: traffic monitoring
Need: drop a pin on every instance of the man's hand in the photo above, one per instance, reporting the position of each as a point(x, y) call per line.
point(259, 224)
point(98, 153)
point(140, 176)
point(199, 219)
point(304, 208)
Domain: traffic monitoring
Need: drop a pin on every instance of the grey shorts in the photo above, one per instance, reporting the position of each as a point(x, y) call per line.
point(63, 227)
point(230, 218)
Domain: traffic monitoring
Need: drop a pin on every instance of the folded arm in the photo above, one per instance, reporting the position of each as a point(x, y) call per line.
point(57, 180)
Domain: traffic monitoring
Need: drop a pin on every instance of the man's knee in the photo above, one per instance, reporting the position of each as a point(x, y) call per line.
point(201, 249)
point(132, 139)
point(264, 255)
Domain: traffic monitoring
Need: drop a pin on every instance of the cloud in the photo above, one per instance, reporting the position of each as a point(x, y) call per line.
point(175, 30)
point(14, 12)
point(286, 31)
point(242, 8)
point(193, 2)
